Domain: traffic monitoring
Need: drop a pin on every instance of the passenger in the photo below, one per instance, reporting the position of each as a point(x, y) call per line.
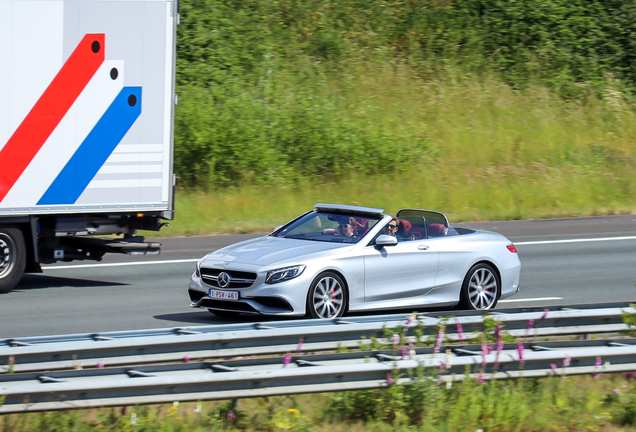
point(360, 225)
point(344, 229)
point(391, 228)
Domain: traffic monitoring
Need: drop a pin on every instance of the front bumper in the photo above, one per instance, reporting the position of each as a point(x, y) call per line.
point(257, 305)
point(286, 298)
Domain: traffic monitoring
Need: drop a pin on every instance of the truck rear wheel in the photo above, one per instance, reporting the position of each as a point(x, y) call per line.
point(12, 257)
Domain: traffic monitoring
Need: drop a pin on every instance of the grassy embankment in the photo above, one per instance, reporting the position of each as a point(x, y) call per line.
point(483, 110)
point(492, 154)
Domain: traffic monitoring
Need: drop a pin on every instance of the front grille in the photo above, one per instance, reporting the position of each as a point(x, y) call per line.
point(226, 305)
point(238, 279)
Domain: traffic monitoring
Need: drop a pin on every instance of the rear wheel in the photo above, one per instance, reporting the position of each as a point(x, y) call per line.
point(12, 257)
point(327, 296)
point(481, 288)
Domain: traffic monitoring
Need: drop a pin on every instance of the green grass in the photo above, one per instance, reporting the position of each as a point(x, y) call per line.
point(605, 404)
point(491, 153)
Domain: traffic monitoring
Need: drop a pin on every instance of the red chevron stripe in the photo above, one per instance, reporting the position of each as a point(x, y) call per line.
point(49, 110)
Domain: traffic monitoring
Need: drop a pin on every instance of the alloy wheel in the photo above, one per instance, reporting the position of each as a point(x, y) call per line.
point(482, 289)
point(328, 298)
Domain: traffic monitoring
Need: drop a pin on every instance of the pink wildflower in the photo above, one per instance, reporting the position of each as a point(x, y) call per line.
point(460, 330)
point(481, 378)
point(404, 353)
point(520, 350)
point(500, 346)
point(11, 360)
point(231, 415)
point(497, 331)
point(442, 367)
point(100, 365)
point(484, 353)
point(389, 380)
point(553, 367)
point(396, 340)
point(438, 383)
point(566, 361)
point(545, 315)
point(617, 391)
point(597, 376)
point(598, 363)
point(409, 320)
point(287, 359)
point(530, 324)
point(440, 339)
point(301, 341)
point(186, 359)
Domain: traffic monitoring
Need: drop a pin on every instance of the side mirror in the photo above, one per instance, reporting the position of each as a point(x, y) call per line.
point(385, 240)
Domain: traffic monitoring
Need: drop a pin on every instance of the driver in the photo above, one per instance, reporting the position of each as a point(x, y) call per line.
point(391, 228)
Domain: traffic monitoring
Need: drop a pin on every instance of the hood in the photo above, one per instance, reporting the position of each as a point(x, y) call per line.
point(268, 250)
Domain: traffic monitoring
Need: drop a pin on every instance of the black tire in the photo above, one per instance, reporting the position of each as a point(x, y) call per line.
point(225, 314)
point(327, 297)
point(12, 257)
point(481, 288)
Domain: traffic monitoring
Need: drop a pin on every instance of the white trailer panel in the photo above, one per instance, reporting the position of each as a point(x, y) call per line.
point(77, 134)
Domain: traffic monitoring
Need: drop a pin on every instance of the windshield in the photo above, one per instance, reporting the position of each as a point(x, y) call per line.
point(329, 227)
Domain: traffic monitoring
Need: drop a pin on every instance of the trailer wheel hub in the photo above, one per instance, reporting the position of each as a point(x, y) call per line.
point(7, 258)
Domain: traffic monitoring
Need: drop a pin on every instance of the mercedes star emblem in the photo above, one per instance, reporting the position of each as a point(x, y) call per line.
point(223, 280)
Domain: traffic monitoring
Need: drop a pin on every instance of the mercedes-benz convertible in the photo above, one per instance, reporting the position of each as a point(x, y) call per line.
point(339, 258)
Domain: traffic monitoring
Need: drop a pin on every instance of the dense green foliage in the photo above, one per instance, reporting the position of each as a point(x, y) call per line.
point(271, 89)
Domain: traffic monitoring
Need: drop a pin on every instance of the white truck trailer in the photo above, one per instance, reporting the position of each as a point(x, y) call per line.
point(86, 129)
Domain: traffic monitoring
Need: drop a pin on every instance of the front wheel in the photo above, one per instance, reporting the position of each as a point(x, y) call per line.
point(12, 257)
point(327, 296)
point(481, 288)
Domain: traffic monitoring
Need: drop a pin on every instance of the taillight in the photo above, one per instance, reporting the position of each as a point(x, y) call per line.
point(512, 248)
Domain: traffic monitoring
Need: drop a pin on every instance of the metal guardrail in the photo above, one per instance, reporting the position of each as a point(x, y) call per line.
point(129, 334)
point(272, 338)
point(303, 374)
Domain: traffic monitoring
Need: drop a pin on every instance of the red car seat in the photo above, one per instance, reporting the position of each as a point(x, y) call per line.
point(404, 229)
point(436, 230)
point(418, 233)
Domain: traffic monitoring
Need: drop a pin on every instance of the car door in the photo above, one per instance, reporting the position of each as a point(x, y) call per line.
point(405, 270)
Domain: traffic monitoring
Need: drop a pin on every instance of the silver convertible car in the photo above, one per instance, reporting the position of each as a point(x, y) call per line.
point(340, 258)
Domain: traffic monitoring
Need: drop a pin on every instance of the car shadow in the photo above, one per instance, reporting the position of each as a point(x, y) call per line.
point(40, 281)
point(200, 317)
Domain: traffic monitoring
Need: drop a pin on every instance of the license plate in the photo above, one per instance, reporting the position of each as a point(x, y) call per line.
point(223, 295)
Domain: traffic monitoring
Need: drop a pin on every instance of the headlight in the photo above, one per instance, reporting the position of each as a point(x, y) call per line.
point(283, 274)
point(197, 272)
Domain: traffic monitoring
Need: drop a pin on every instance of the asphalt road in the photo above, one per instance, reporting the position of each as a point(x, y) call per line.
point(564, 261)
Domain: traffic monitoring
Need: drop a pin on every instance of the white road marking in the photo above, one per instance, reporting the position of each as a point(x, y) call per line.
point(119, 264)
point(531, 299)
point(574, 240)
point(197, 259)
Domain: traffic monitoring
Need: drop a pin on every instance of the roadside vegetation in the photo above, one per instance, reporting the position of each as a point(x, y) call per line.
point(485, 110)
point(605, 403)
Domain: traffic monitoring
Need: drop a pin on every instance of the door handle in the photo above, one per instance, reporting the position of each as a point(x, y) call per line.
point(422, 247)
